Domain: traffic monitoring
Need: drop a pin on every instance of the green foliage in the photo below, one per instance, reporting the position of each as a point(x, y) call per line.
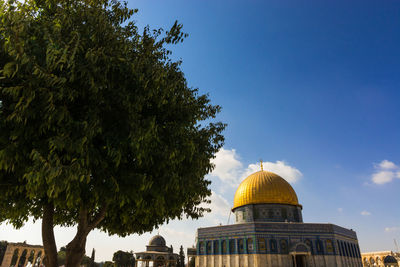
point(108, 264)
point(95, 117)
point(86, 261)
point(123, 259)
point(61, 256)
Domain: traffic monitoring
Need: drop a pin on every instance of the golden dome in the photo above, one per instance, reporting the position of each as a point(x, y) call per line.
point(264, 188)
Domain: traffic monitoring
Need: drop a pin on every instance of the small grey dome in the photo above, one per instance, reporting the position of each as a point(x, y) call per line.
point(157, 240)
point(390, 259)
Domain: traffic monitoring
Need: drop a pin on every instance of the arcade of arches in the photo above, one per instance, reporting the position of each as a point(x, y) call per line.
point(157, 254)
point(21, 255)
point(381, 259)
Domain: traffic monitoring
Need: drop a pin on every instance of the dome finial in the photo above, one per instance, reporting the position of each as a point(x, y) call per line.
point(261, 164)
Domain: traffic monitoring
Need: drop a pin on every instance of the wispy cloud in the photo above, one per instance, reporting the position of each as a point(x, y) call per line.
point(230, 170)
point(279, 167)
point(365, 213)
point(392, 229)
point(340, 209)
point(385, 172)
point(219, 205)
point(228, 167)
point(388, 165)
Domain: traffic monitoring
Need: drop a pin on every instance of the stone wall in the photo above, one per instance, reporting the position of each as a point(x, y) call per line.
point(255, 260)
point(22, 254)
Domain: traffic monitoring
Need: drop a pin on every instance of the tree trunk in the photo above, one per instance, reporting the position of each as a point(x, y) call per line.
point(49, 242)
point(76, 250)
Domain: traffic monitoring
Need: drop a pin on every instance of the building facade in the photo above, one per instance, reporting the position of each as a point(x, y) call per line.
point(157, 254)
point(21, 255)
point(269, 231)
point(381, 259)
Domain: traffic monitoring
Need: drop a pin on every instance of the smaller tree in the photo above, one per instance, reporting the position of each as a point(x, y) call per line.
point(181, 259)
point(92, 263)
point(124, 259)
point(61, 255)
point(108, 264)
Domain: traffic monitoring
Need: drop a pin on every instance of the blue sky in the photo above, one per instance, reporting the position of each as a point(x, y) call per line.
point(311, 87)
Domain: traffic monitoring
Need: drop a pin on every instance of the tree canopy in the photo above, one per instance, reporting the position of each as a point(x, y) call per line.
point(98, 126)
point(123, 259)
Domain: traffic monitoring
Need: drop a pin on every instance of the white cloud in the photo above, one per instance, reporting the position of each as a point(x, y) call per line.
point(340, 209)
point(365, 213)
point(382, 177)
point(179, 235)
point(229, 169)
point(279, 167)
point(227, 166)
point(219, 205)
point(385, 172)
point(392, 229)
point(385, 164)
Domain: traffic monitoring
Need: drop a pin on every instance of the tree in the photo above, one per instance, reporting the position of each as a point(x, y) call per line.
point(86, 261)
point(124, 259)
point(92, 262)
point(61, 256)
point(97, 123)
point(108, 264)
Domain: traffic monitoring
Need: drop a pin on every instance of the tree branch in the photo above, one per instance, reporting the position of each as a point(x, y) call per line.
point(98, 218)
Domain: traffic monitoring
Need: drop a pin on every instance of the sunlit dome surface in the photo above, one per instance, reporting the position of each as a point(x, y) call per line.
point(264, 188)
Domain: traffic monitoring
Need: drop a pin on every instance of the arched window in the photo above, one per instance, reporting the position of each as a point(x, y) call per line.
point(273, 245)
point(241, 246)
point(284, 213)
point(329, 246)
point(371, 260)
point(216, 247)
point(309, 244)
point(224, 250)
point(320, 249)
point(353, 251)
point(232, 249)
point(339, 247)
point(31, 256)
point(261, 245)
point(22, 259)
point(358, 251)
point(208, 247)
point(201, 248)
point(208, 251)
point(296, 216)
point(38, 259)
point(15, 257)
point(270, 214)
point(284, 246)
point(250, 245)
point(346, 248)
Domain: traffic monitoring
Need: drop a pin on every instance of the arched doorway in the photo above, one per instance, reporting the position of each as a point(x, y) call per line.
point(159, 262)
point(300, 253)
